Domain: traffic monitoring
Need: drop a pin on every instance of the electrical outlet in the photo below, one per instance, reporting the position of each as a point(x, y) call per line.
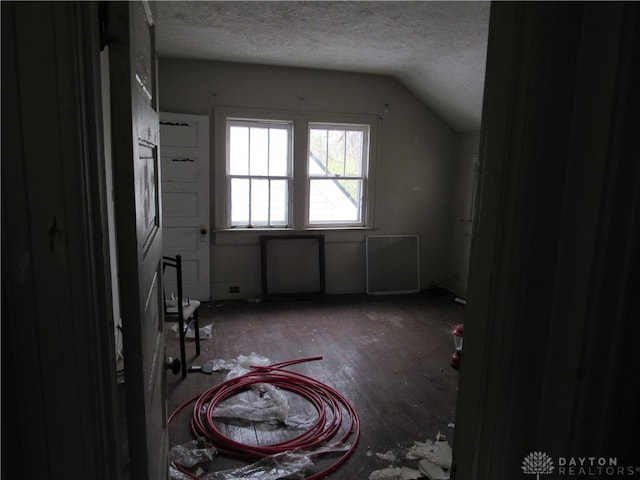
point(234, 289)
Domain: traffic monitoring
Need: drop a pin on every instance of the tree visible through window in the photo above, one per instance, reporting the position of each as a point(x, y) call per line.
point(262, 181)
point(337, 166)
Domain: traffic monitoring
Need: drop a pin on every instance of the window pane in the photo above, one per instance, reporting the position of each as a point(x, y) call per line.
point(335, 162)
point(335, 201)
point(354, 158)
point(259, 172)
point(238, 150)
point(259, 202)
point(239, 201)
point(278, 151)
point(279, 202)
point(259, 151)
point(317, 151)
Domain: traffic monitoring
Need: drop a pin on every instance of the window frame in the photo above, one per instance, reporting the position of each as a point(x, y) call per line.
point(288, 176)
point(298, 200)
point(363, 176)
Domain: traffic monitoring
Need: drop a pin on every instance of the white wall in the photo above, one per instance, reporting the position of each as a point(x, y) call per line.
point(415, 169)
point(466, 163)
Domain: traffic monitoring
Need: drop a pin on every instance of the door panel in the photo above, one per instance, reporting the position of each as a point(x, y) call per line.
point(178, 237)
point(180, 204)
point(146, 184)
point(178, 131)
point(185, 199)
point(181, 169)
point(135, 127)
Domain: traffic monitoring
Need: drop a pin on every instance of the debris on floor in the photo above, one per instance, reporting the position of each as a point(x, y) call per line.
point(434, 461)
point(287, 464)
point(281, 465)
point(190, 334)
point(195, 457)
point(436, 452)
point(236, 366)
point(395, 473)
point(265, 403)
point(433, 471)
point(389, 456)
point(435, 458)
point(175, 474)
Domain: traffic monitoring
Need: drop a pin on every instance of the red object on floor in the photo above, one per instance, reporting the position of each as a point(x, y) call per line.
point(458, 334)
point(337, 426)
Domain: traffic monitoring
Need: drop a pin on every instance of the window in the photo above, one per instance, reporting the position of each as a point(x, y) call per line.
point(337, 167)
point(292, 170)
point(259, 172)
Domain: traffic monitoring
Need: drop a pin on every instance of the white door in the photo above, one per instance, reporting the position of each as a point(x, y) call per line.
point(184, 150)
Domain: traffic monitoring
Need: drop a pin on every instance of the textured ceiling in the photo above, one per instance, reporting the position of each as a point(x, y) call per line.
point(437, 49)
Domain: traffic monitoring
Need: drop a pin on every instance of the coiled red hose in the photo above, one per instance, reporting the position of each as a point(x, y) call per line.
point(337, 425)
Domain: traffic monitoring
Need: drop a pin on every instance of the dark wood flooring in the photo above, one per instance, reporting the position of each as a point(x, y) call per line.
point(388, 355)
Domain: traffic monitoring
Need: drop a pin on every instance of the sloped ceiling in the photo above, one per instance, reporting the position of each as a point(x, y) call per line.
point(437, 49)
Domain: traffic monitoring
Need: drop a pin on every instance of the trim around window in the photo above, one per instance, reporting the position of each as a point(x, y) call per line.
point(259, 172)
point(348, 179)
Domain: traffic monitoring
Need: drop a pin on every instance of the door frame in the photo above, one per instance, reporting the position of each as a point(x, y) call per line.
point(59, 348)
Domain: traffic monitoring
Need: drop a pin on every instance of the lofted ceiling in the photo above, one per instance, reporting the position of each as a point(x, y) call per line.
point(436, 49)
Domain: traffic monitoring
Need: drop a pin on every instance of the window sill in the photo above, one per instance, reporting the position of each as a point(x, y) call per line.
point(290, 230)
point(251, 236)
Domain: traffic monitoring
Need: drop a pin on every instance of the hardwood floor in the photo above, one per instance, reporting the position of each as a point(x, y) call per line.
point(388, 355)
